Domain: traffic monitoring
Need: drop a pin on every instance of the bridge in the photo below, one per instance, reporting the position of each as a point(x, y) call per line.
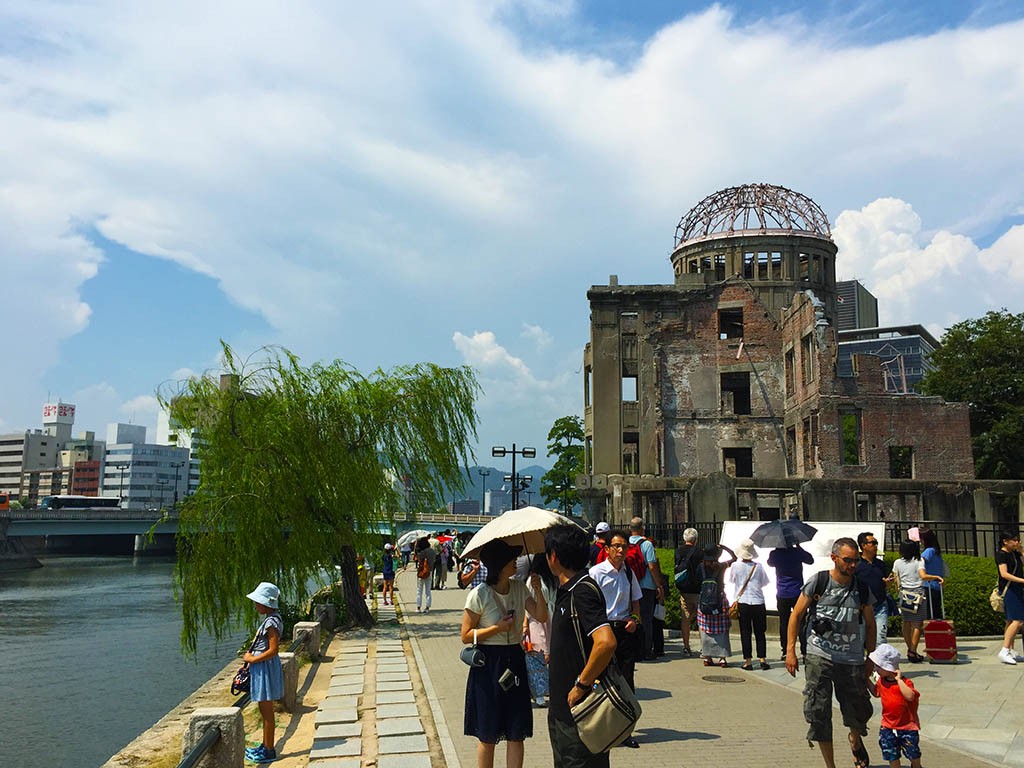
point(59, 530)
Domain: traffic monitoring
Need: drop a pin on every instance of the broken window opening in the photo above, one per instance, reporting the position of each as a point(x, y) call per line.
point(791, 449)
point(630, 453)
point(763, 268)
point(730, 323)
point(850, 435)
point(790, 373)
point(807, 359)
point(738, 462)
point(736, 393)
point(901, 461)
point(803, 268)
point(748, 266)
point(629, 390)
point(776, 261)
point(588, 381)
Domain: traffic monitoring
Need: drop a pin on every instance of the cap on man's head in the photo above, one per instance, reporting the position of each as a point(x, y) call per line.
point(885, 657)
point(602, 527)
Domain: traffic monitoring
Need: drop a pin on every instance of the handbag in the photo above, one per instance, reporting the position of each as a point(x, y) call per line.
point(607, 716)
point(240, 682)
point(910, 600)
point(734, 609)
point(423, 569)
point(659, 612)
point(471, 655)
point(995, 599)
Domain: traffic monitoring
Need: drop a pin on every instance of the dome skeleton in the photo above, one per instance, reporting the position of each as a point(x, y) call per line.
point(753, 209)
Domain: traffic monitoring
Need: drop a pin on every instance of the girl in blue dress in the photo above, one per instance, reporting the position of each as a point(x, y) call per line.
point(266, 681)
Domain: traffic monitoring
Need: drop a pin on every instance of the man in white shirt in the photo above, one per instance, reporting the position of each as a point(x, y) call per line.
point(622, 597)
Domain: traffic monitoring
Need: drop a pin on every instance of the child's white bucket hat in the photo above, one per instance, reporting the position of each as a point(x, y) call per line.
point(265, 594)
point(886, 657)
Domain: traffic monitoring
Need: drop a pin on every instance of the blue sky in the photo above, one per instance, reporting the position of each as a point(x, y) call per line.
point(443, 182)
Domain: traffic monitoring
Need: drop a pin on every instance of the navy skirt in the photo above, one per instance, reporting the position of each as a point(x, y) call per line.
point(493, 715)
point(1013, 600)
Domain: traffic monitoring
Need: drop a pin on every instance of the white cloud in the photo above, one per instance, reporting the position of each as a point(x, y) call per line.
point(541, 338)
point(918, 278)
point(483, 351)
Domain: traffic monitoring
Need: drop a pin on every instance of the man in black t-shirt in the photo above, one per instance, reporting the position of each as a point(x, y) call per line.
point(571, 673)
point(874, 573)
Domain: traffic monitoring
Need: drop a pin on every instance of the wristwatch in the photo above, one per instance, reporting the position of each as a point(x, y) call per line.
point(583, 686)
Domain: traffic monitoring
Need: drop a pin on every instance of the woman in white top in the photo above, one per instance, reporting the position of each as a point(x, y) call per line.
point(498, 703)
point(753, 614)
point(910, 577)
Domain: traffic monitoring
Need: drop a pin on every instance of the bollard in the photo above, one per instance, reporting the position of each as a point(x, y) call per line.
point(290, 670)
point(229, 750)
point(312, 644)
point(329, 618)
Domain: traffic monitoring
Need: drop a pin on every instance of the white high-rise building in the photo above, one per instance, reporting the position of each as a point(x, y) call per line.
point(145, 475)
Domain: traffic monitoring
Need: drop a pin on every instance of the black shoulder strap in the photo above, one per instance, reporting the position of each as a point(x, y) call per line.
point(820, 585)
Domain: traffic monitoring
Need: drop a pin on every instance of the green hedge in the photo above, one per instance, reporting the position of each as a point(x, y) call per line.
point(966, 593)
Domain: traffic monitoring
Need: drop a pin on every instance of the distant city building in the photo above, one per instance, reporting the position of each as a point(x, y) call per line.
point(903, 350)
point(21, 452)
point(498, 500)
point(464, 507)
point(144, 475)
point(857, 307)
point(169, 432)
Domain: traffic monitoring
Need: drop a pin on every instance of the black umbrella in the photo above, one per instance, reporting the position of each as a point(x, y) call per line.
point(782, 533)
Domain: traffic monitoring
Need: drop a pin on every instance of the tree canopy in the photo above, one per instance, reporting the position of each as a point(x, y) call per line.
point(565, 443)
point(979, 363)
point(298, 467)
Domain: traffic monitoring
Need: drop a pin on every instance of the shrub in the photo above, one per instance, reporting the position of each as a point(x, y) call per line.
point(966, 594)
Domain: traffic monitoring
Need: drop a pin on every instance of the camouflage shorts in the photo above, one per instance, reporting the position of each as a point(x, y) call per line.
point(850, 685)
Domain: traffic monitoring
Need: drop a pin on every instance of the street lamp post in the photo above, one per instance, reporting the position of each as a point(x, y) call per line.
point(499, 451)
point(483, 491)
point(177, 466)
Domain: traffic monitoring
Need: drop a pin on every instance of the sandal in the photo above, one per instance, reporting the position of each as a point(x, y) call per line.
point(723, 663)
point(748, 666)
point(708, 662)
point(687, 653)
point(861, 759)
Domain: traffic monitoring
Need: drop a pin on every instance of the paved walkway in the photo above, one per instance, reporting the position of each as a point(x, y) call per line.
point(395, 699)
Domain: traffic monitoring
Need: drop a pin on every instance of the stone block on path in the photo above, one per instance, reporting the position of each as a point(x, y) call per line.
point(396, 710)
point(399, 686)
point(393, 745)
point(338, 762)
point(404, 761)
point(395, 697)
point(399, 726)
point(392, 677)
point(339, 702)
point(338, 731)
point(336, 748)
point(351, 689)
point(329, 716)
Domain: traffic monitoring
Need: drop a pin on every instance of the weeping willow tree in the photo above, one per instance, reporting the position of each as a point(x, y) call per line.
point(297, 470)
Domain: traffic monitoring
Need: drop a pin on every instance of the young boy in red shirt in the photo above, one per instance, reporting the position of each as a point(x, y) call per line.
point(900, 725)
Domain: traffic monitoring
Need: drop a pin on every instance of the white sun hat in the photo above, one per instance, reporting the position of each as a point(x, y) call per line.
point(265, 594)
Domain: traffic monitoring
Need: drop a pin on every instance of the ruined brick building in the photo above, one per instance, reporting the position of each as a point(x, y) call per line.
point(717, 397)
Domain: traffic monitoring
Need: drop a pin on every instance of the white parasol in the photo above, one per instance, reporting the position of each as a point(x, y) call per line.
point(523, 527)
point(411, 536)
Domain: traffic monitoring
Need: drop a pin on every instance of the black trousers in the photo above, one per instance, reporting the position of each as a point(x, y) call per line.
point(567, 749)
point(753, 619)
point(628, 643)
point(647, 600)
point(786, 605)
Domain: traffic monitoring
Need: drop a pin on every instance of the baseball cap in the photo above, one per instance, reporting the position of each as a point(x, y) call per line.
point(602, 527)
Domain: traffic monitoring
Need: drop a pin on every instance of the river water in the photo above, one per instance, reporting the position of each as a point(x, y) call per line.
point(91, 658)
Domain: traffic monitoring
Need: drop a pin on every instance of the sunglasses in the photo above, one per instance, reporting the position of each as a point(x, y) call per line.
point(848, 560)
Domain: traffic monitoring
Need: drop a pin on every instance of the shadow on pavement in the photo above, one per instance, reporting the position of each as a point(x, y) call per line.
point(657, 735)
point(650, 694)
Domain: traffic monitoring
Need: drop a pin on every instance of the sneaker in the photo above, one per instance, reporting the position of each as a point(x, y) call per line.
point(261, 754)
point(1006, 656)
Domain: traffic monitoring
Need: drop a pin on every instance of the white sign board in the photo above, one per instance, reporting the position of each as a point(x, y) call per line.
point(820, 547)
point(58, 413)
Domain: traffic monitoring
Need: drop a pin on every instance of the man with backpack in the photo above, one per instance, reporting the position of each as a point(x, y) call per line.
point(644, 562)
point(836, 604)
point(687, 581)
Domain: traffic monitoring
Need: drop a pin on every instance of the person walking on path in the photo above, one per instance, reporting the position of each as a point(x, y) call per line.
point(934, 566)
point(688, 558)
point(387, 573)
point(424, 559)
point(498, 693)
point(712, 607)
point(876, 574)
point(748, 580)
point(651, 585)
point(622, 598)
point(788, 563)
point(901, 727)
point(835, 652)
point(1010, 565)
point(266, 678)
point(573, 675)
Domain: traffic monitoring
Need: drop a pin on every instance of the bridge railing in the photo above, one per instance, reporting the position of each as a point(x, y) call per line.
point(89, 514)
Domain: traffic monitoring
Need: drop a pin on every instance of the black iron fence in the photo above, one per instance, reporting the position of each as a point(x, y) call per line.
point(955, 537)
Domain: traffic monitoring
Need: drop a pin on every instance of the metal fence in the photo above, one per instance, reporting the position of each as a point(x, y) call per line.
point(955, 537)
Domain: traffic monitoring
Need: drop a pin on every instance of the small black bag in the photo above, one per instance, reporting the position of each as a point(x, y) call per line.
point(240, 682)
point(471, 655)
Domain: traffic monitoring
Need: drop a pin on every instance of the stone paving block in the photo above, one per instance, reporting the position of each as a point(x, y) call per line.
point(361, 650)
point(353, 661)
point(347, 680)
point(399, 686)
point(338, 730)
point(336, 748)
point(399, 726)
point(345, 690)
point(396, 710)
point(329, 716)
point(393, 745)
point(392, 669)
point(395, 697)
point(404, 761)
point(393, 677)
point(338, 762)
point(339, 702)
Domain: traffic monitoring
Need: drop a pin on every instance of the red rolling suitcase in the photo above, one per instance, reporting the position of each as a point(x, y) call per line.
point(940, 640)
